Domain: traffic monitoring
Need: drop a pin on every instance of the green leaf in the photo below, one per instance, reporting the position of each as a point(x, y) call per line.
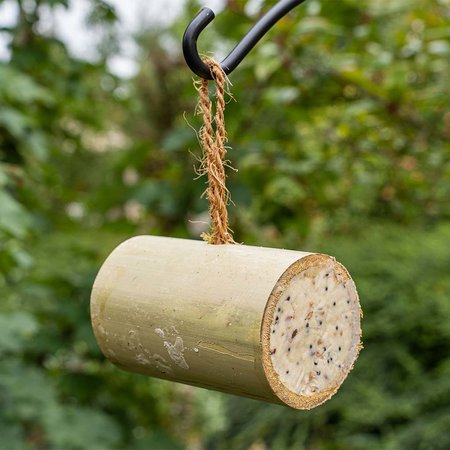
point(80, 428)
point(15, 329)
point(13, 218)
point(157, 440)
point(15, 122)
point(17, 87)
point(12, 436)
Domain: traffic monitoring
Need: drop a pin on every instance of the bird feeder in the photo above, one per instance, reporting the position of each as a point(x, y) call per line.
point(270, 324)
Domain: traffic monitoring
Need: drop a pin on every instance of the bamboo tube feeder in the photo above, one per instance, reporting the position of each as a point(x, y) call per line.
point(275, 325)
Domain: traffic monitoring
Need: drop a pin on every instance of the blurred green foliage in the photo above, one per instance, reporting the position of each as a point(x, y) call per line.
point(341, 136)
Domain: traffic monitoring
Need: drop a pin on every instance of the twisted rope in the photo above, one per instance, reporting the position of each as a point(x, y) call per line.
point(214, 151)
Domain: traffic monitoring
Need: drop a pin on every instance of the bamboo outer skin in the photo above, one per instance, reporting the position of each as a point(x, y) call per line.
point(189, 312)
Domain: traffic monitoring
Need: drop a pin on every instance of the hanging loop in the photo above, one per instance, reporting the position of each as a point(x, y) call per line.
point(206, 16)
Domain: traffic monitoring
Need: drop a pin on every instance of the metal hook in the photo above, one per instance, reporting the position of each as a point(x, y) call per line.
point(206, 15)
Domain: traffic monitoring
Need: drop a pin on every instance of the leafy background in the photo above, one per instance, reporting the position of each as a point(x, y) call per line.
point(340, 132)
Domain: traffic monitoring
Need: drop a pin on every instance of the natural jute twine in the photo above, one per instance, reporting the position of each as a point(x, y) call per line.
point(214, 151)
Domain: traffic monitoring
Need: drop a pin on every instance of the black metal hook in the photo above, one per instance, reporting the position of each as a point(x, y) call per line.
point(205, 16)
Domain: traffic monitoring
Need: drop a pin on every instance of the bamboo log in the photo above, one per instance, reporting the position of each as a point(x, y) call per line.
point(245, 320)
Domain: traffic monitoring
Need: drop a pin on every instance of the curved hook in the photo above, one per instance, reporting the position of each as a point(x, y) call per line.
point(205, 16)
